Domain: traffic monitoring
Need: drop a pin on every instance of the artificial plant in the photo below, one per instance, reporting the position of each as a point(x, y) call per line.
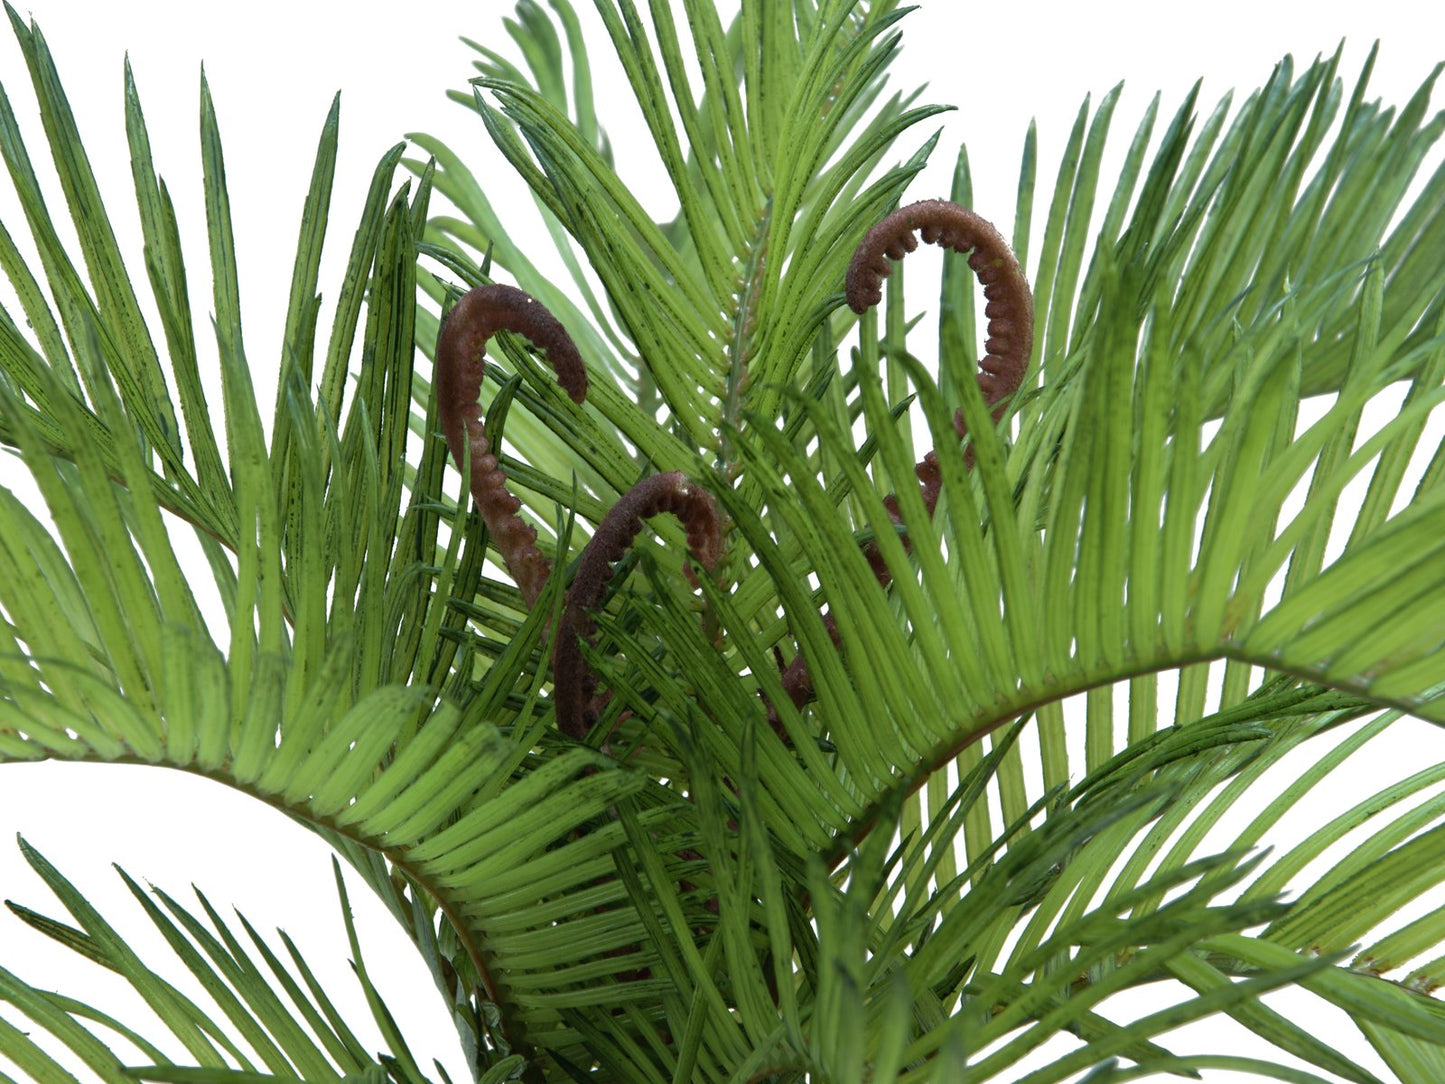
point(895, 859)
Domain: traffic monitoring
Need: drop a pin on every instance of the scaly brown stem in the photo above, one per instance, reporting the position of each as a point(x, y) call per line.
point(573, 684)
point(460, 366)
point(1009, 301)
point(1009, 307)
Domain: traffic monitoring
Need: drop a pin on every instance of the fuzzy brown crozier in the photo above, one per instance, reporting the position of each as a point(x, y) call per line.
point(1009, 309)
point(672, 492)
point(460, 366)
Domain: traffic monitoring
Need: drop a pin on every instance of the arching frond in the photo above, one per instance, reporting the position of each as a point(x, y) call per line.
point(320, 689)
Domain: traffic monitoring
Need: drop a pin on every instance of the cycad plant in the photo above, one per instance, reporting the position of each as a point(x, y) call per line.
point(781, 786)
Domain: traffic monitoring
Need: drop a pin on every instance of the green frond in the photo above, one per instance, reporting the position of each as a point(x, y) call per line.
point(338, 623)
point(297, 1036)
point(703, 299)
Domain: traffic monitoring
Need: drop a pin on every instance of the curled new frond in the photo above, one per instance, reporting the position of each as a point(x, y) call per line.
point(672, 492)
point(461, 346)
point(1010, 313)
point(1009, 309)
point(1010, 302)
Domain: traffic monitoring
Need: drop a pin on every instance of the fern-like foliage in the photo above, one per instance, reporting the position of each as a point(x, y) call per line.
point(920, 873)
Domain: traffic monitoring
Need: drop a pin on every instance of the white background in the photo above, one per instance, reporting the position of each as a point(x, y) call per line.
point(273, 68)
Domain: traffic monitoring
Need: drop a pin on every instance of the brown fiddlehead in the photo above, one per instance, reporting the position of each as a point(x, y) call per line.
point(573, 684)
point(1009, 306)
point(1009, 342)
point(460, 367)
